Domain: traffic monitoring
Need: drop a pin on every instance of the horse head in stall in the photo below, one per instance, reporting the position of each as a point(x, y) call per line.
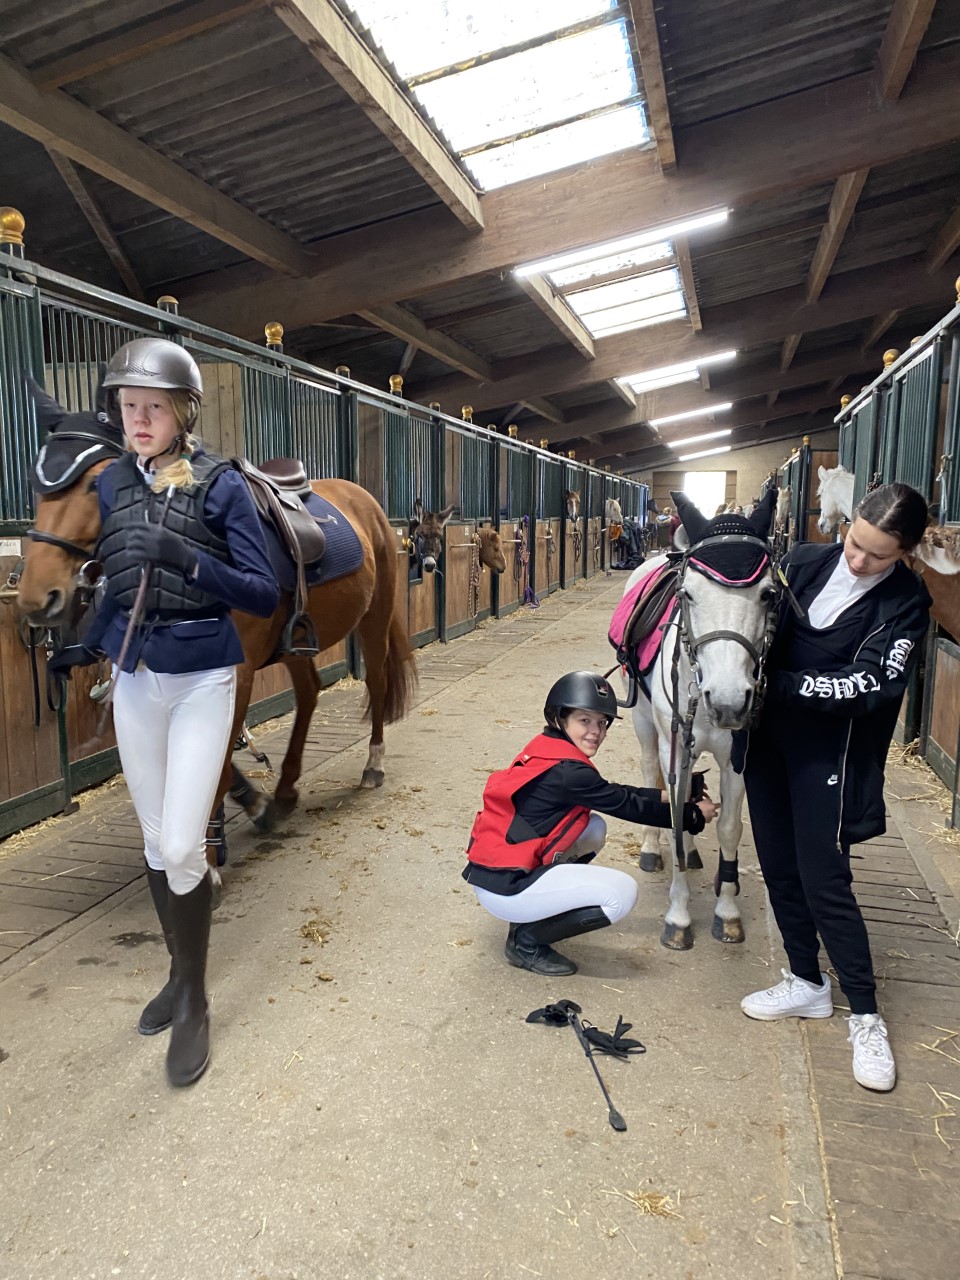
point(491, 549)
point(706, 683)
point(572, 499)
point(836, 498)
point(426, 535)
point(61, 571)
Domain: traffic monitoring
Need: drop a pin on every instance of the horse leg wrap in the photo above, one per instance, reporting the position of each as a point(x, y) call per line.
point(217, 837)
point(726, 874)
point(242, 789)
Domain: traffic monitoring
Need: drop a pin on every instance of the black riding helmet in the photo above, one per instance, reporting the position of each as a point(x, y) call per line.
point(580, 691)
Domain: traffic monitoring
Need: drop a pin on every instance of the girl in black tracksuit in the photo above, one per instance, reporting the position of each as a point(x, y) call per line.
point(815, 765)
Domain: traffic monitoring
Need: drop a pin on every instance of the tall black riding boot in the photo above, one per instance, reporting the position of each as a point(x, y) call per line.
point(158, 1013)
point(528, 945)
point(189, 1050)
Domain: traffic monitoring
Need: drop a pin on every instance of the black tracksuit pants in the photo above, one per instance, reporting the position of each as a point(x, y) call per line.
point(793, 789)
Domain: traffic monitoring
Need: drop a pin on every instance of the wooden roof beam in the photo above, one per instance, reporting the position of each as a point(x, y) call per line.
point(558, 312)
point(878, 327)
point(59, 123)
point(622, 392)
point(657, 458)
point(654, 85)
point(735, 325)
point(846, 193)
point(343, 55)
point(160, 33)
point(946, 243)
point(607, 420)
point(101, 228)
point(405, 325)
point(735, 160)
point(902, 37)
point(544, 409)
point(685, 266)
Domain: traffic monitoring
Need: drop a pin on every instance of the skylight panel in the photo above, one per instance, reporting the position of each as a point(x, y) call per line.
point(529, 90)
point(558, 148)
point(442, 32)
point(650, 285)
point(614, 264)
point(608, 331)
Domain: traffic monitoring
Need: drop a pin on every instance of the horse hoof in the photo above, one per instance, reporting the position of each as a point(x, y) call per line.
point(677, 937)
point(694, 861)
point(371, 778)
point(283, 806)
point(727, 930)
point(651, 862)
point(216, 888)
point(265, 820)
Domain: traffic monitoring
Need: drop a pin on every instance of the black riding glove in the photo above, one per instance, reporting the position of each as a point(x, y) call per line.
point(70, 656)
point(693, 819)
point(155, 545)
point(616, 1044)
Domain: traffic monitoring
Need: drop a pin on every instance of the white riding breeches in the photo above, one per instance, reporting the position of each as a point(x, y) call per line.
point(172, 733)
point(568, 886)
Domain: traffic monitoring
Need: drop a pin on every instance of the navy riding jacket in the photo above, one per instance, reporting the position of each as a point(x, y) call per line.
point(248, 584)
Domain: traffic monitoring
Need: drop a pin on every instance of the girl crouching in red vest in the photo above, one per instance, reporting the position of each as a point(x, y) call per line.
point(536, 831)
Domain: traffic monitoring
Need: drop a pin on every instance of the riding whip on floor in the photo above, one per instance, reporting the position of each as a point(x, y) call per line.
point(615, 1043)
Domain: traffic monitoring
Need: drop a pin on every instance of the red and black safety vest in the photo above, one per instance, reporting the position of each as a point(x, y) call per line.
point(500, 836)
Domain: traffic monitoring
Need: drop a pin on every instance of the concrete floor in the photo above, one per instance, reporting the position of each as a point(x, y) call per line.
point(376, 1105)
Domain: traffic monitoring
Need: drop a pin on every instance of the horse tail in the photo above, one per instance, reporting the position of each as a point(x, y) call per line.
point(399, 666)
point(401, 669)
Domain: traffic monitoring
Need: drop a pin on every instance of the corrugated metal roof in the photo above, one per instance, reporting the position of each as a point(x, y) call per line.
point(720, 56)
point(246, 108)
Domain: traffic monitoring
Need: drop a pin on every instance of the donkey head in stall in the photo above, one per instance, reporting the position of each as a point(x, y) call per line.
point(426, 534)
point(572, 499)
point(59, 569)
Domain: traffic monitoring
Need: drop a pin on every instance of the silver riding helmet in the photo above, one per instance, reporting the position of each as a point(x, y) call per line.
point(154, 362)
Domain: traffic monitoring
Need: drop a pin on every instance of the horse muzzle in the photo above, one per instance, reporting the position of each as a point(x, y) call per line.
point(726, 712)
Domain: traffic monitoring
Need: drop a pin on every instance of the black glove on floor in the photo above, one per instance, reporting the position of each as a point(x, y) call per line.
point(616, 1044)
point(153, 544)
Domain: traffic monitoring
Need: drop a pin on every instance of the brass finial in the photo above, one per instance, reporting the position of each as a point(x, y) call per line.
point(167, 302)
point(806, 440)
point(889, 357)
point(606, 466)
point(343, 370)
point(571, 453)
point(956, 285)
point(918, 338)
point(512, 431)
point(273, 332)
point(466, 412)
point(396, 383)
point(435, 405)
point(619, 473)
point(544, 442)
point(12, 225)
point(844, 401)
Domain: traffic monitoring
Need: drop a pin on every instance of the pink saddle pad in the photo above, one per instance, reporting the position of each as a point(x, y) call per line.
point(647, 644)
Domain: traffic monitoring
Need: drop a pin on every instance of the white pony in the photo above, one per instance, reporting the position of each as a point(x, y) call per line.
point(612, 512)
point(836, 498)
point(728, 682)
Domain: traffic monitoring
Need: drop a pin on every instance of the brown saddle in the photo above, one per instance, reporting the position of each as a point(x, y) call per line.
point(277, 489)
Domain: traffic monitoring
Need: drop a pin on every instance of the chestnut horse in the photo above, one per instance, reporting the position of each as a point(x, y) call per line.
point(365, 601)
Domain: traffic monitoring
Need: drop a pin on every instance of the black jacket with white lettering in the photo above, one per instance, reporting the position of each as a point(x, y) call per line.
point(860, 692)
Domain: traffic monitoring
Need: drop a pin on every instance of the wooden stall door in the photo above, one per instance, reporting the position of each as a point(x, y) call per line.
point(510, 582)
point(573, 539)
point(467, 588)
point(941, 746)
point(826, 458)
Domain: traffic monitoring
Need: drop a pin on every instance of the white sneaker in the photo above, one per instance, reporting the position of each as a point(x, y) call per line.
point(792, 998)
point(873, 1064)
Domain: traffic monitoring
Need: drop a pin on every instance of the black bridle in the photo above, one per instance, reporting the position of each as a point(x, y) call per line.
point(686, 642)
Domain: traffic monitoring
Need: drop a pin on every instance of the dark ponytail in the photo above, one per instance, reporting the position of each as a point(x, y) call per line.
point(898, 510)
